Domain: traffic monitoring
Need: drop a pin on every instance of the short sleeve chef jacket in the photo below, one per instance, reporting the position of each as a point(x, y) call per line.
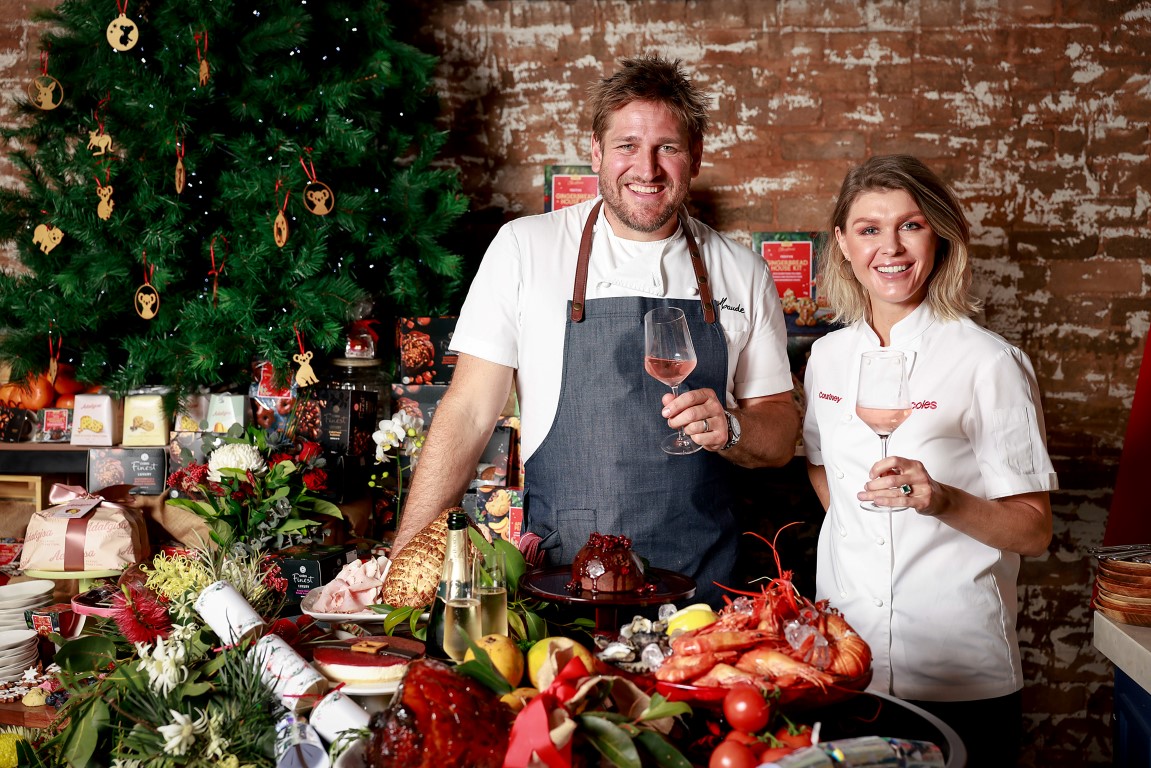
point(516, 310)
point(937, 607)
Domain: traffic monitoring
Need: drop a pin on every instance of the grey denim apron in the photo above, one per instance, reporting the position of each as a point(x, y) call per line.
point(600, 468)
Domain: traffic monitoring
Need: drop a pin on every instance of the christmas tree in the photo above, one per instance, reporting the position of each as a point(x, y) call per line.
point(214, 183)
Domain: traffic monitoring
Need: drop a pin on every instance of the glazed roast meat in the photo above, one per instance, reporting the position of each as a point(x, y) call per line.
point(439, 718)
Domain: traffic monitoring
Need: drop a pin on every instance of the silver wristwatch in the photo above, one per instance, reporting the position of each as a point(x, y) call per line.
point(732, 430)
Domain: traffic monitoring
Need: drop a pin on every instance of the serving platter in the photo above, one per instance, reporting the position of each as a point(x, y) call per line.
point(307, 605)
point(796, 697)
point(663, 586)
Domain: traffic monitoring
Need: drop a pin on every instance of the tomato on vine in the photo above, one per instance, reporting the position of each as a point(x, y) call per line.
point(732, 754)
point(746, 709)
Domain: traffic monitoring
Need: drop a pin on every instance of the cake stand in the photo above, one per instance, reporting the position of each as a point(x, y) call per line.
point(550, 583)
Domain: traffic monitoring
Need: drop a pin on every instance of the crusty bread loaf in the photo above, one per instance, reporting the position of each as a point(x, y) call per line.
point(415, 572)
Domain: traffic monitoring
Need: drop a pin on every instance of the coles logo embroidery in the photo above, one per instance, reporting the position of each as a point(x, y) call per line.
point(737, 308)
point(925, 404)
point(829, 396)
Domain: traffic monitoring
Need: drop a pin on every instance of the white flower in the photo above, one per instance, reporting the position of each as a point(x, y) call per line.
point(164, 664)
point(239, 456)
point(180, 734)
point(122, 762)
point(404, 431)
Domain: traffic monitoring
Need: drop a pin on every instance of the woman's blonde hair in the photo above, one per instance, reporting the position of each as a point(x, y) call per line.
point(948, 285)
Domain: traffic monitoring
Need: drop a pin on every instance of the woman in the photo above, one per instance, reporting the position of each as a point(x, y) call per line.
point(932, 588)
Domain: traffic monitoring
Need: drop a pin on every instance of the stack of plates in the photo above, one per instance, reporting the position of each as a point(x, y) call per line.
point(19, 597)
point(1123, 591)
point(18, 652)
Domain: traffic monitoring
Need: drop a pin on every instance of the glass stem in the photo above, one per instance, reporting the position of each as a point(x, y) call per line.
point(682, 437)
point(883, 442)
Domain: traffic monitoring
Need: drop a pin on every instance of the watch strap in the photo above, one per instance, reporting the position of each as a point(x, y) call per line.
point(732, 435)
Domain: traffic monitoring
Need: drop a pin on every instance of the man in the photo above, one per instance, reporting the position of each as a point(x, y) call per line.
point(591, 419)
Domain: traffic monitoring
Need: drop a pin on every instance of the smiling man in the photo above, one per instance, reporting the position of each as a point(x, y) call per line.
point(558, 306)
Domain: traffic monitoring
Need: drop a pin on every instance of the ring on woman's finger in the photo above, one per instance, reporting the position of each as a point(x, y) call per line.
point(706, 428)
point(905, 489)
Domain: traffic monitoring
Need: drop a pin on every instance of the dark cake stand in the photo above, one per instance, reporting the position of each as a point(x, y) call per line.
point(550, 583)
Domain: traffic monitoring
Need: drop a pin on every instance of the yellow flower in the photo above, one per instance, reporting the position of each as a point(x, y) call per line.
point(8, 742)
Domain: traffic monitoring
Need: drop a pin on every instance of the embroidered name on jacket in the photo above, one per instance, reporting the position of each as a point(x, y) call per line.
point(829, 396)
point(737, 308)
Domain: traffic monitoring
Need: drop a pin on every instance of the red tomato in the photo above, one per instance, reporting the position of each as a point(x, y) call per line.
point(732, 754)
point(772, 754)
point(795, 735)
point(746, 709)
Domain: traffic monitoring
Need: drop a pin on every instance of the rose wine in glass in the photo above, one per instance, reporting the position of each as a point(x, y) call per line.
point(883, 401)
point(669, 357)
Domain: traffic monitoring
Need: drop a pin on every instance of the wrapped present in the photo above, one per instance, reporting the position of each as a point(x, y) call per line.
point(85, 531)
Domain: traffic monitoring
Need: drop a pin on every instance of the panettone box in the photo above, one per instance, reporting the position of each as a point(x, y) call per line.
point(192, 415)
point(308, 567)
point(97, 420)
point(145, 422)
point(224, 410)
point(145, 469)
point(423, 346)
point(345, 420)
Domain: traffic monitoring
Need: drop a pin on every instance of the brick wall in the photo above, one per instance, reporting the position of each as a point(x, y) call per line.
point(1036, 111)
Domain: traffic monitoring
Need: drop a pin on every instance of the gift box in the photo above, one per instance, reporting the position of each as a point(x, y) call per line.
point(418, 399)
point(85, 532)
point(15, 424)
point(57, 619)
point(226, 410)
point(424, 349)
point(192, 415)
point(346, 419)
point(55, 425)
point(500, 509)
point(495, 462)
point(97, 420)
point(144, 470)
point(308, 567)
point(145, 422)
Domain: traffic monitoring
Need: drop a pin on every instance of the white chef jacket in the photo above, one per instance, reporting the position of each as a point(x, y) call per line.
point(937, 607)
point(516, 310)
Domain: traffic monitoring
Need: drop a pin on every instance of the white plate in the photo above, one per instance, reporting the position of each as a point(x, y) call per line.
point(22, 591)
point(380, 689)
point(6, 611)
point(310, 600)
point(15, 637)
point(352, 757)
point(28, 663)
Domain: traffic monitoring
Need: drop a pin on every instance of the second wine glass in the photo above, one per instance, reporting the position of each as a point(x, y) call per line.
point(883, 401)
point(669, 357)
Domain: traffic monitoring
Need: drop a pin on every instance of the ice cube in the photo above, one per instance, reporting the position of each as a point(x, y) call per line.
point(652, 656)
point(666, 611)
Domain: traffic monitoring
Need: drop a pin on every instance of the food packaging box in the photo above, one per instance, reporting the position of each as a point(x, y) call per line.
point(423, 346)
point(16, 424)
point(307, 566)
point(97, 420)
point(500, 509)
point(225, 410)
point(185, 448)
point(347, 419)
point(55, 425)
point(271, 400)
point(145, 469)
point(496, 460)
point(145, 422)
point(419, 400)
point(193, 415)
point(58, 618)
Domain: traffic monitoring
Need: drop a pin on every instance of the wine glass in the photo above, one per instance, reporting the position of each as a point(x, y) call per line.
point(669, 357)
point(883, 401)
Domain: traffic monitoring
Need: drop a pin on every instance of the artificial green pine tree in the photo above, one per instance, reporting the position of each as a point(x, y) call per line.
point(298, 95)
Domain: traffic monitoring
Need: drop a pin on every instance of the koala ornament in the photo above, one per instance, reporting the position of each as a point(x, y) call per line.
point(305, 377)
point(318, 198)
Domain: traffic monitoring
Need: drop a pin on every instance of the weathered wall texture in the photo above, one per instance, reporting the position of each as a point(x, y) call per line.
point(1037, 111)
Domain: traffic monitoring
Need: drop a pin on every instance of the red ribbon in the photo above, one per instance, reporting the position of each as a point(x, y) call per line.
point(76, 533)
point(531, 732)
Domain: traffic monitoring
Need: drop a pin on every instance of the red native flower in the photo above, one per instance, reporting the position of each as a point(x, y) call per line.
point(140, 614)
point(315, 479)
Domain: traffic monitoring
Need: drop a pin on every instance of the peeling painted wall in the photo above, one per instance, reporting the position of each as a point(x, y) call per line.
point(1036, 111)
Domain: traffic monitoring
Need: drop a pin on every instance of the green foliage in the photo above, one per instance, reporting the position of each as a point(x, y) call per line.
point(293, 87)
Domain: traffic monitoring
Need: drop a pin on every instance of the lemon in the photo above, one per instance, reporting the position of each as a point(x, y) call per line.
point(506, 656)
point(691, 617)
point(547, 657)
point(519, 698)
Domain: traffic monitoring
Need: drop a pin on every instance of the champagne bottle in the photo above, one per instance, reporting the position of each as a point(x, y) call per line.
point(456, 610)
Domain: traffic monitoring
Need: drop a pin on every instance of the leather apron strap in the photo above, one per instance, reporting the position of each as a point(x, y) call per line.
point(579, 292)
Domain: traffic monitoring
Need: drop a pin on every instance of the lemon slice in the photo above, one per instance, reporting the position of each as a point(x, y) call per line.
point(691, 617)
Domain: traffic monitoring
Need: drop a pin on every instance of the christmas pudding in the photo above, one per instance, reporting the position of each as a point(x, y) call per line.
point(607, 564)
point(367, 660)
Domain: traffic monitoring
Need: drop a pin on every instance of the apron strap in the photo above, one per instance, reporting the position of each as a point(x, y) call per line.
point(579, 293)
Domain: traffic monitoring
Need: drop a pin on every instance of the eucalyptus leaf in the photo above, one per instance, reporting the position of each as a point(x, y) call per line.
point(611, 742)
point(662, 751)
point(84, 733)
point(660, 707)
point(191, 690)
point(91, 653)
